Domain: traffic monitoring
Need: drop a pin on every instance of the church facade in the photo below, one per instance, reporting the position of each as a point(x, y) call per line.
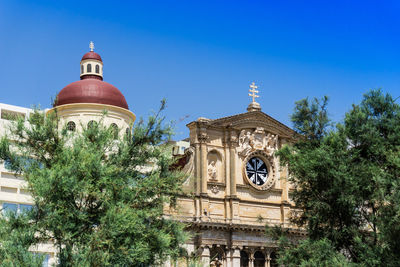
point(234, 186)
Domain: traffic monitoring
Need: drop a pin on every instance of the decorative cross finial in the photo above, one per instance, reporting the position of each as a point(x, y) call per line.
point(253, 91)
point(91, 46)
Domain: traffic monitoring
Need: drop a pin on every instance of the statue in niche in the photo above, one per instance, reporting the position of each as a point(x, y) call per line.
point(212, 170)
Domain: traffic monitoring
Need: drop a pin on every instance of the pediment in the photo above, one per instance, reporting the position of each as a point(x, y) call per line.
point(252, 120)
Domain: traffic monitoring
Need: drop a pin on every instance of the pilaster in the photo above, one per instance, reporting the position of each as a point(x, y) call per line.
point(234, 257)
point(198, 168)
point(251, 257)
point(202, 137)
point(205, 256)
point(228, 215)
point(204, 202)
point(234, 201)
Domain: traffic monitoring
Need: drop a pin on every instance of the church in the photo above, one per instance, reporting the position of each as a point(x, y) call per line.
point(234, 186)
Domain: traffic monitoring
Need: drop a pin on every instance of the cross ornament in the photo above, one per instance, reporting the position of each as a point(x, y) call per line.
point(253, 91)
point(91, 46)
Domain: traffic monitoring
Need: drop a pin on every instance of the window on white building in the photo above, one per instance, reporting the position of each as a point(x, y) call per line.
point(7, 165)
point(46, 261)
point(46, 258)
point(10, 207)
point(11, 115)
point(16, 208)
point(25, 208)
point(26, 162)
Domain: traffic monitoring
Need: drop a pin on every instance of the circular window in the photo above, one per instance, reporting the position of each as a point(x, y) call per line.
point(257, 171)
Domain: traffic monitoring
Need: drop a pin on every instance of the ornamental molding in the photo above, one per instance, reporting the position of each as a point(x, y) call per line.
point(251, 140)
point(198, 225)
point(215, 189)
point(202, 137)
point(251, 120)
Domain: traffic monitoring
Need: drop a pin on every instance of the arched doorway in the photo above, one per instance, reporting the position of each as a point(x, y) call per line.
point(217, 257)
point(259, 259)
point(244, 259)
point(273, 262)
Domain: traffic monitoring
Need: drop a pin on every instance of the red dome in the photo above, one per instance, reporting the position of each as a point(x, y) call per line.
point(92, 55)
point(91, 91)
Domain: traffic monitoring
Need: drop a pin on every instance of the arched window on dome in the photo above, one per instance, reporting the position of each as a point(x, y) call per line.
point(114, 129)
point(71, 126)
point(97, 69)
point(127, 131)
point(91, 124)
point(81, 69)
point(89, 68)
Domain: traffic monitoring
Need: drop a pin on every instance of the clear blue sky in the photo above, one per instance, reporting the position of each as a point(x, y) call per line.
point(202, 55)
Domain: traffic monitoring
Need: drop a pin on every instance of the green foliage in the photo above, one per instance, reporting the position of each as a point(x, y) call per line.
point(310, 119)
point(346, 179)
point(310, 253)
point(100, 200)
point(195, 263)
point(305, 252)
point(17, 234)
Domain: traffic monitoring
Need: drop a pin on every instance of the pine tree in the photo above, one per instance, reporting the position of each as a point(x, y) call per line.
point(99, 199)
point(347, 178)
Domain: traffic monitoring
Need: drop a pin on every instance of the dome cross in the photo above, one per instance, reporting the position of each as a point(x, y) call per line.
point(91, 46)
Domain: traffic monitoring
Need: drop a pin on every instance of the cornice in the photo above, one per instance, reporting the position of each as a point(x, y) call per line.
point(246, 120)
point(239, 227)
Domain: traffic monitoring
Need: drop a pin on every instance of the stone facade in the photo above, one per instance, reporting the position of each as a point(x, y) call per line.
point(227, 210)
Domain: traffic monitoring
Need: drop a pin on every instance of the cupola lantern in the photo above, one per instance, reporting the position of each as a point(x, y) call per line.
point(91, 64)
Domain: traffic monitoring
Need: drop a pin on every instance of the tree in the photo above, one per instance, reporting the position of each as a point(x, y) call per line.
point(346, 178)
point(16, 238)
point(312, 253)
point(99, 200)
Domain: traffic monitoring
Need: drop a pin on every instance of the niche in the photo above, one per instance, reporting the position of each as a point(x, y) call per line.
point(214, 168)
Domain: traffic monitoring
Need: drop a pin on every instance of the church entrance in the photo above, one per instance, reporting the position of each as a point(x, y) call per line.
point(259, 259)
point(244, 259)
point(217, 257)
